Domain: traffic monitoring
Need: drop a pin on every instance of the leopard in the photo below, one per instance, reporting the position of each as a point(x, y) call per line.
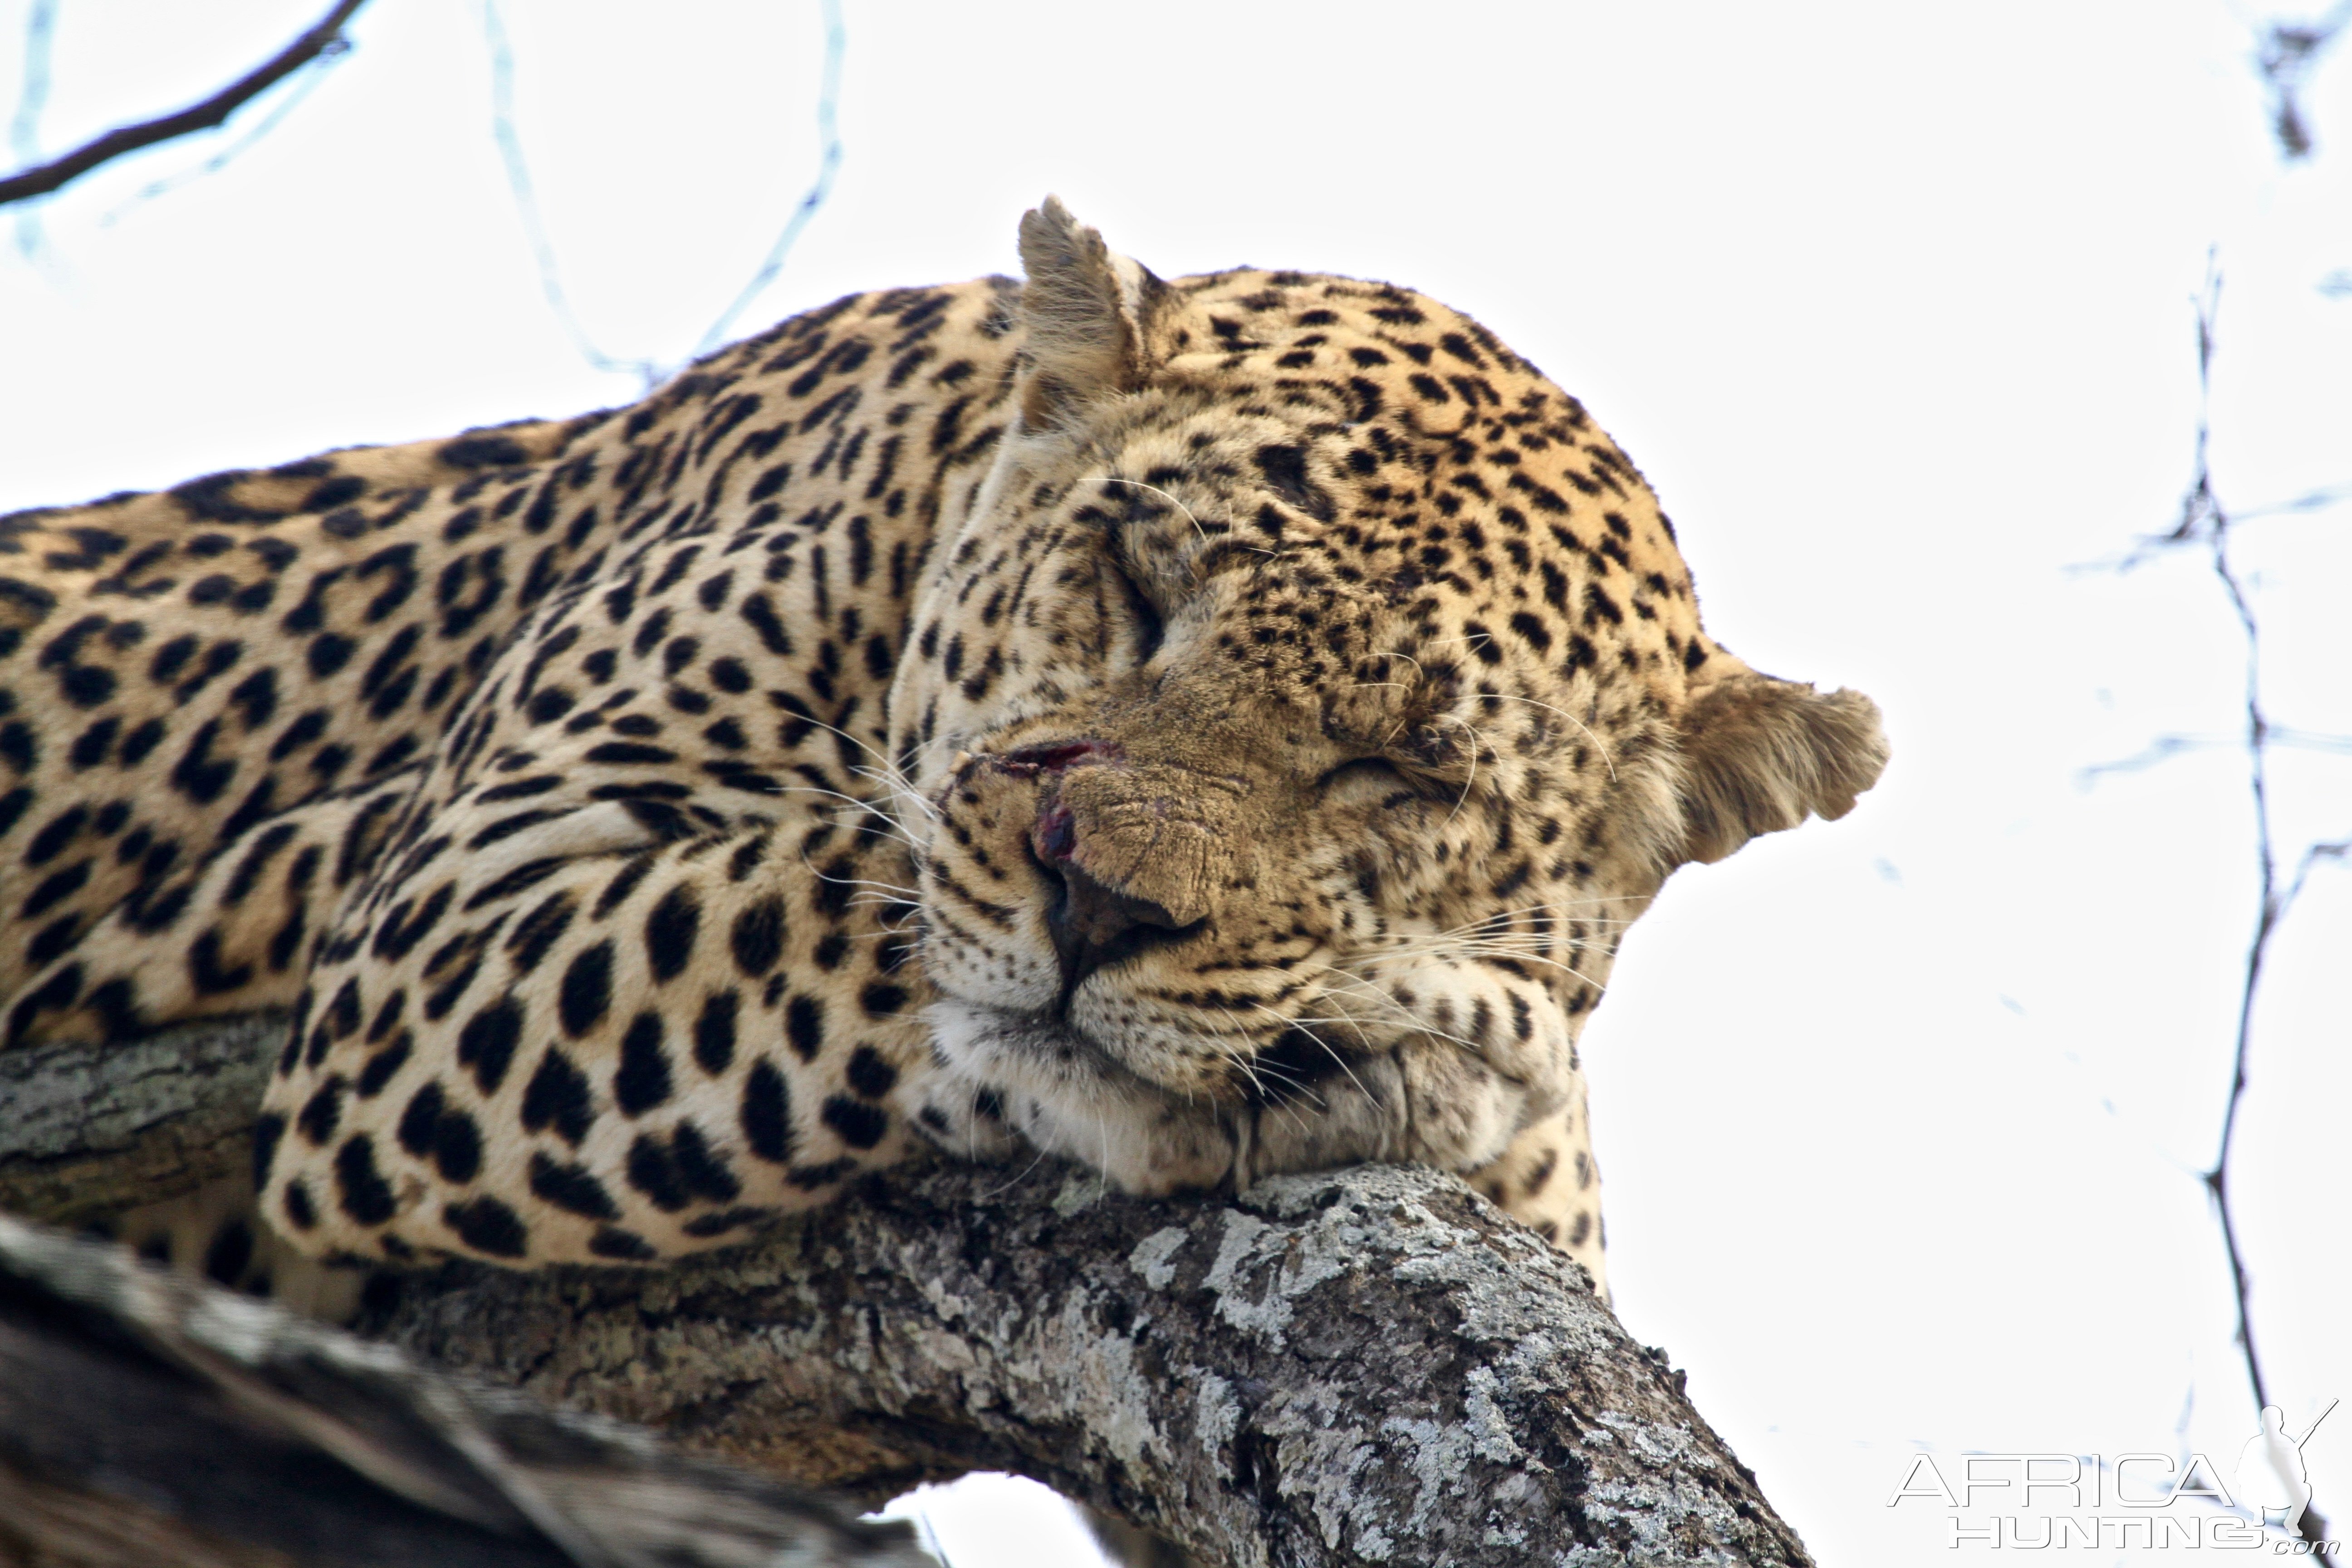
point(1202, 729)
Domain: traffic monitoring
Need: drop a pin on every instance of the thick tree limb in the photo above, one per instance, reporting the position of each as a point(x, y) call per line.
point(41, 179)
point(87, 1131)
point(146, 1418)
point(1373, 1365)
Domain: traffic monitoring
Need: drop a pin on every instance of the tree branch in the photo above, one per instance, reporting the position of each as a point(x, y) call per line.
point(125, 138)
point(1369, 1365)
point(87, 1131)
point(147, 1418)
point(2205, 522)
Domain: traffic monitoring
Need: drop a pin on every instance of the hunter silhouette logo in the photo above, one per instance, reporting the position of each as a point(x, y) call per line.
point(2271, 1478)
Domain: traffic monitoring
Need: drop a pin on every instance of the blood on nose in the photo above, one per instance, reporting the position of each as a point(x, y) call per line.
point(1091, 925)
point(1056, 836)
point(1056, 757)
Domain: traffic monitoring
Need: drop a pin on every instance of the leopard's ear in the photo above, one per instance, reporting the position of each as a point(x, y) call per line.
point(1760, 755)
point(1089, 315)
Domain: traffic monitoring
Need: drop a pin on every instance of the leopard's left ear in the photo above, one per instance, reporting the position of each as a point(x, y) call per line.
point(1090, 315)
point(1760, 755)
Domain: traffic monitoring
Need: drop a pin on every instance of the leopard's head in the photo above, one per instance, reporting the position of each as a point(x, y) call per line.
point(1296, 720)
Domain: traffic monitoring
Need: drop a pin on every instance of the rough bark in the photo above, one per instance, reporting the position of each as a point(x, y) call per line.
point(146, 1418)
point(88, 1130)
point(1371, 1365)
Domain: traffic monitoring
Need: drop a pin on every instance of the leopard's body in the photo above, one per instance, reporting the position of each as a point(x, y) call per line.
point(1205, 728)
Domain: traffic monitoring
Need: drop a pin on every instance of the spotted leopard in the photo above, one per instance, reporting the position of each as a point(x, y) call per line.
point(1203, 728)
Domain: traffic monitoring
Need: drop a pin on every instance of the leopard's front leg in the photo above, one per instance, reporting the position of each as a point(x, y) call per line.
point(1547, 1180)
point(582, 1040)
point(234, 934)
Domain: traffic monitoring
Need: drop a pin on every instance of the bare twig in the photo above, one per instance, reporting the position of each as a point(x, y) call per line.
point(526, 200)
point(24, 125)
point(2147, 549)
point(828, 130)
point(2285, 57)
point(313, 75)
point(2164, 748)
point(2206, 523)
point(650, 372)
point(2310, 501)
point(125, 138)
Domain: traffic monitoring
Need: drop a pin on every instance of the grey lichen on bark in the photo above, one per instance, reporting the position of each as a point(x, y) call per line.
point(1368, 1365)
point(85, 1129)
point(1371, 1365)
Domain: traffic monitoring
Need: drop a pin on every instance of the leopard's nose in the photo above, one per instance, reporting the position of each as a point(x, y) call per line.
point(1092, 925)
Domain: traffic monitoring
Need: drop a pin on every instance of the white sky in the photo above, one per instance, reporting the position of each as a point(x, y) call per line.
point(1900, 1116)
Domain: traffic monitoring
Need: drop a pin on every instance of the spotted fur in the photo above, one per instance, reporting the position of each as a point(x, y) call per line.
point(1205, 728)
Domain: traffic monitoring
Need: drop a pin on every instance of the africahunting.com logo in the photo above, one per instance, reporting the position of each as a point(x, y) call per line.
point(2143, 1501)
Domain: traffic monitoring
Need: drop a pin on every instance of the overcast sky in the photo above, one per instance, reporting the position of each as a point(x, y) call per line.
point(1900, 1116)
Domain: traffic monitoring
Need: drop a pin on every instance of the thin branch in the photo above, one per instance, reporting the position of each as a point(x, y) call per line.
point(25, 126)
point(2205, 522)
point(2313, 853)
point(526, 200)
point(311, 76)
point(2164, 748)
point(212, 112)
point(651, 372)
point(2149, 547)
point(2202, 511)
point(2310, 501)
point(2285, 57)
point(828, 130)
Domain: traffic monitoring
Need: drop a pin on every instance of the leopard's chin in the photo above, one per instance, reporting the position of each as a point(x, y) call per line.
point(1066, 1095)
point(1422, 1098)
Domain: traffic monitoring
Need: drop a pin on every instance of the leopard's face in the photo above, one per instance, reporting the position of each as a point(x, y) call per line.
point(1288, 740)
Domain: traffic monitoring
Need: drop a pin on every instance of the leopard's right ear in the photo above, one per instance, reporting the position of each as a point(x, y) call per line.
point(1761, 754)
point(1089, 314)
